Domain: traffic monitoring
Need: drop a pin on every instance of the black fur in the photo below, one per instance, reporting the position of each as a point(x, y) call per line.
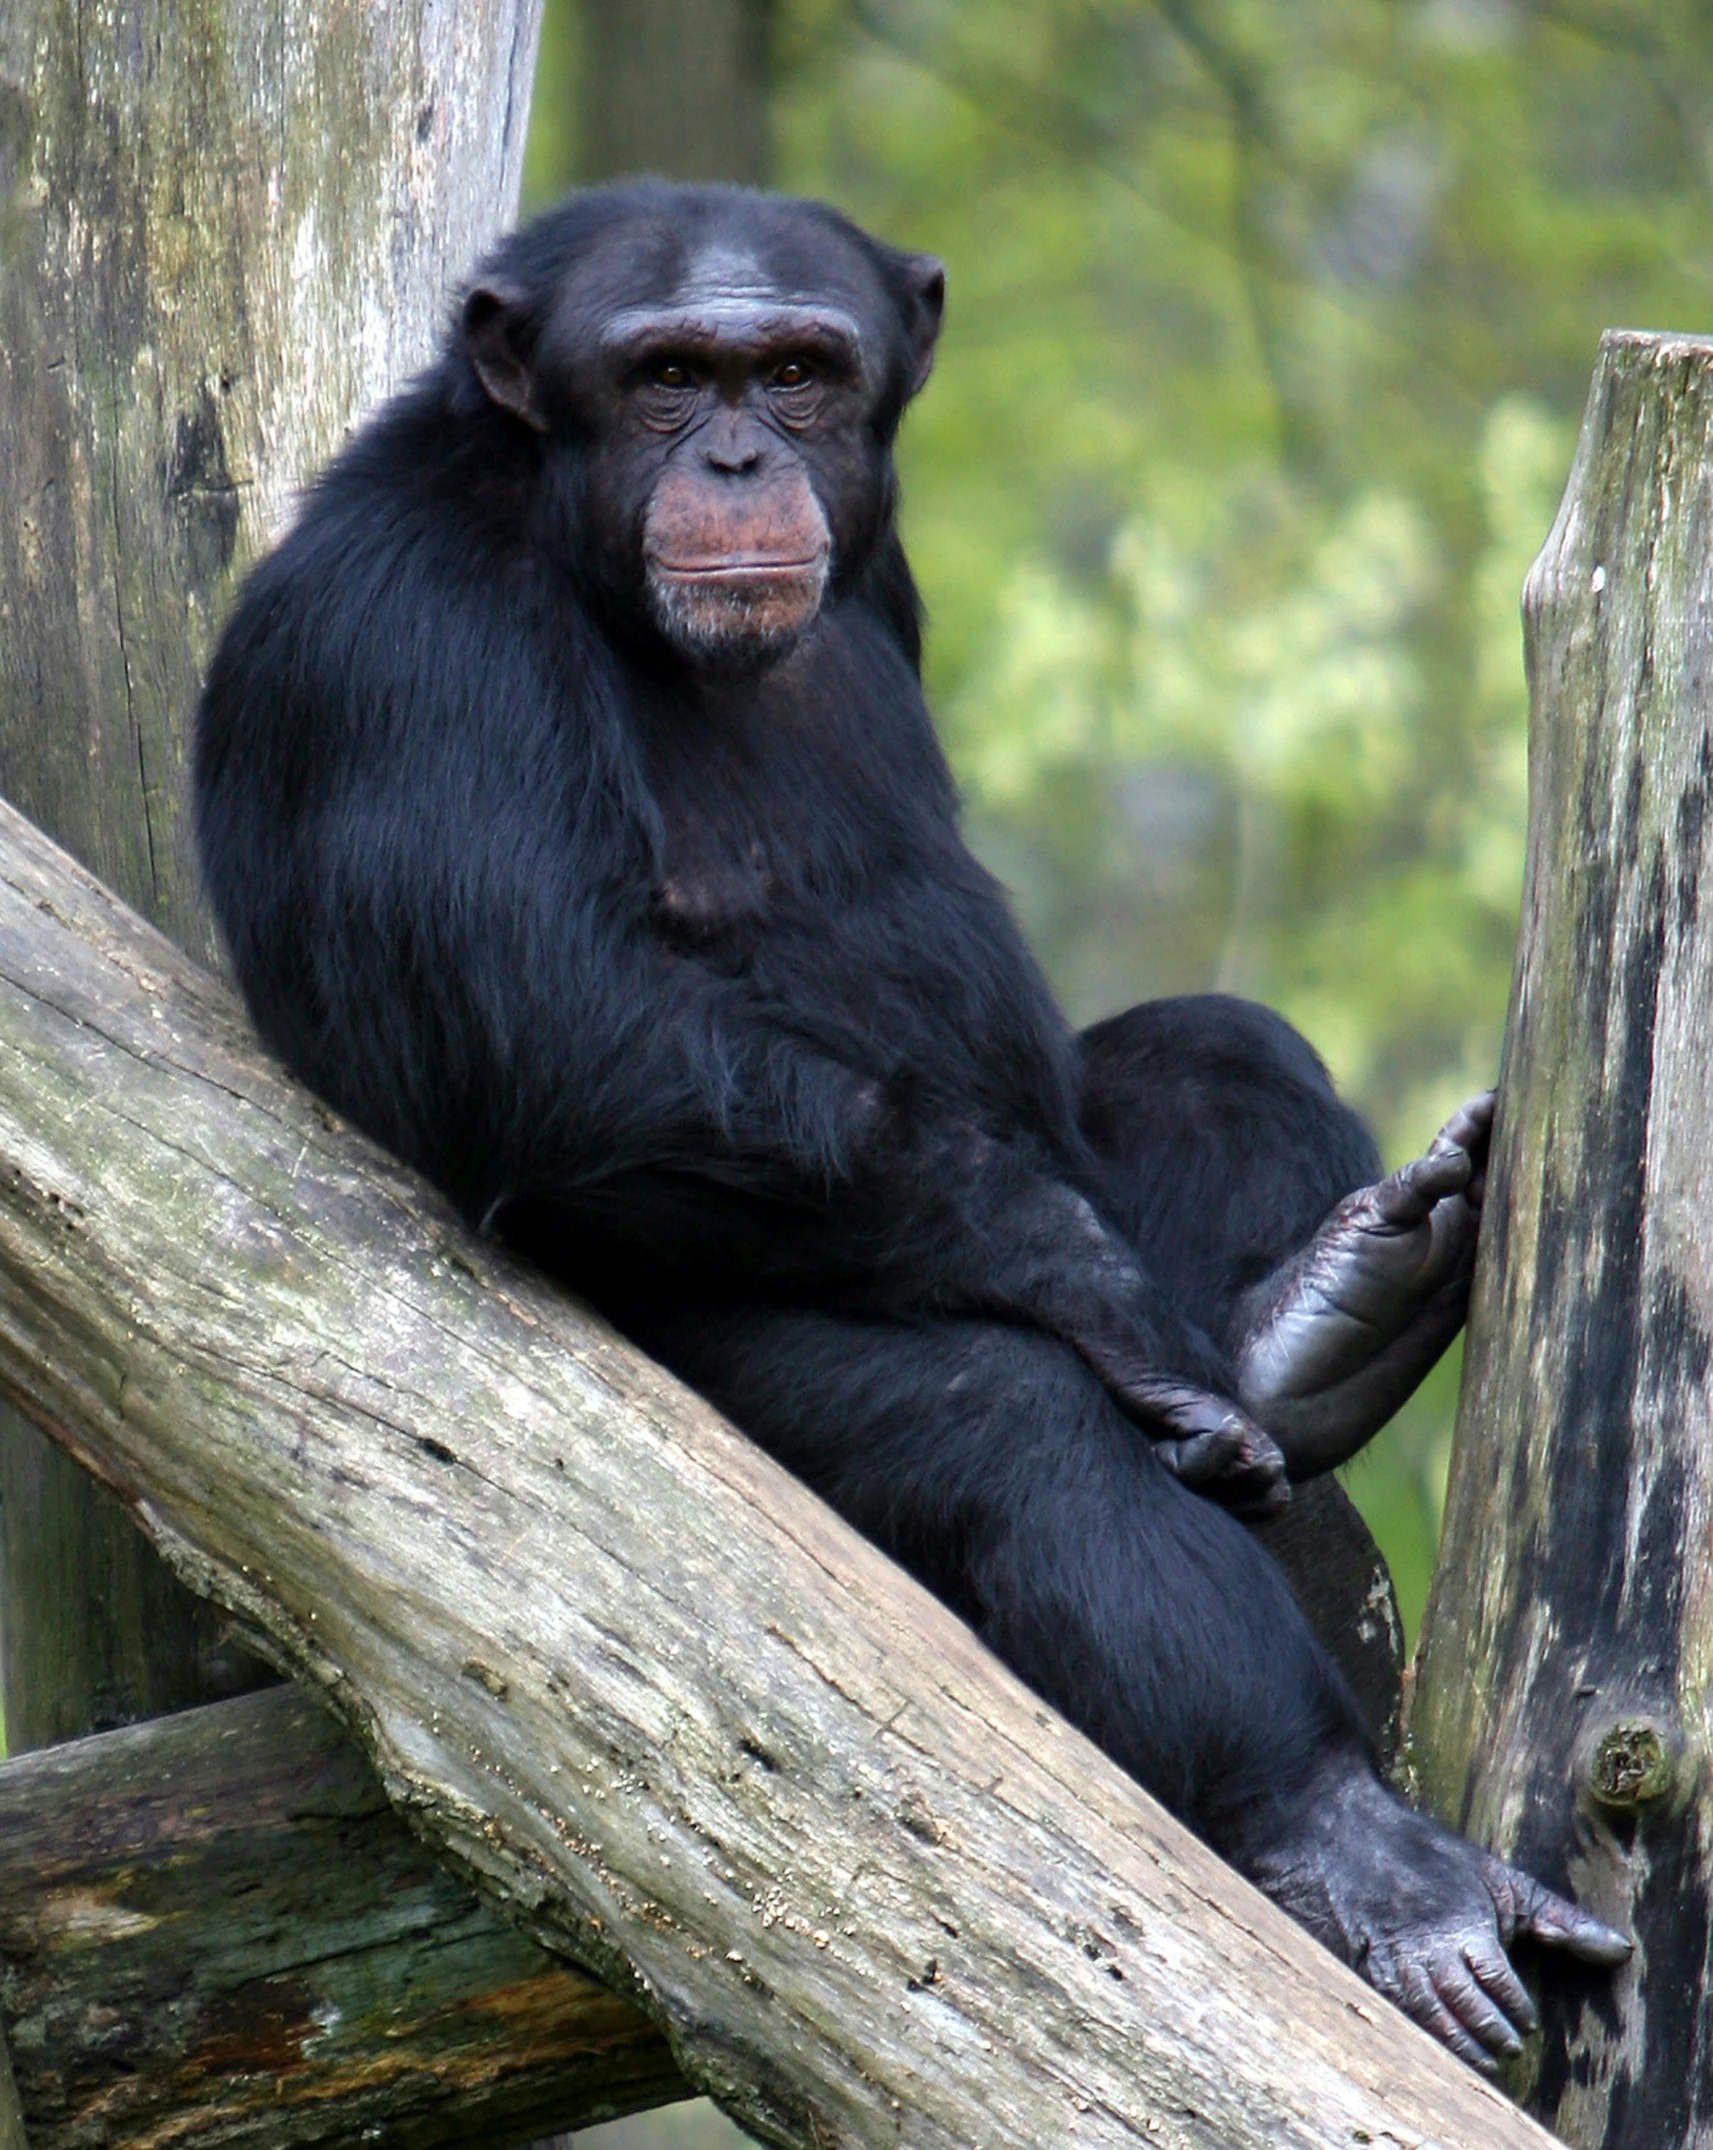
point(678, 976)
point(814, 1135)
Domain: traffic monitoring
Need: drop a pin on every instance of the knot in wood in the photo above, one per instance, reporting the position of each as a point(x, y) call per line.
point(1631, 1766)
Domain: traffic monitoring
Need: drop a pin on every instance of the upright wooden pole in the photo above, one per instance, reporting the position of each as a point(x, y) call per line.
point(1562, 1704)
point(226, 227)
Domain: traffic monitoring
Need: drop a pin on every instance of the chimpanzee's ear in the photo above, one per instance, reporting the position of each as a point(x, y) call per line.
point(925, 305)
point(491, 314)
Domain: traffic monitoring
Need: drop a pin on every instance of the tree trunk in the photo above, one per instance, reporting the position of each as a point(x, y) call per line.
point(676, 87)
point(214, 1931)
point(1561, 1710)
point(226, 227)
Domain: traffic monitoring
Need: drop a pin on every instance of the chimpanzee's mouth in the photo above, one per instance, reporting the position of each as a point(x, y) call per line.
point(738, 570)
point(744, 607)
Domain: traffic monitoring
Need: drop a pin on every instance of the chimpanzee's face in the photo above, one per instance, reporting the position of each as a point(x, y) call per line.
point(732, 414)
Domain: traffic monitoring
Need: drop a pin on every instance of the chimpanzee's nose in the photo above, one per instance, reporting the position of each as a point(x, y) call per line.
point(733, 444)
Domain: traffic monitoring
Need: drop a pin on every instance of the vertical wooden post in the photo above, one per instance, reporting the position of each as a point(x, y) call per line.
point(1562, 1704)
point(226, 226)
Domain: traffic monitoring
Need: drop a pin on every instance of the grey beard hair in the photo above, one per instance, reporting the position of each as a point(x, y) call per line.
point(711, 620)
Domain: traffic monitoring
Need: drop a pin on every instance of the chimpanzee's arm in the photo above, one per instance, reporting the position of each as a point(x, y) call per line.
point(734, 1147)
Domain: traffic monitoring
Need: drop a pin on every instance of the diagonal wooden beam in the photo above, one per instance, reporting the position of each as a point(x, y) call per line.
point(617, 1666)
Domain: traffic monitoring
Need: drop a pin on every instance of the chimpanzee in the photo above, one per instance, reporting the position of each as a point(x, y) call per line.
point(570, 806)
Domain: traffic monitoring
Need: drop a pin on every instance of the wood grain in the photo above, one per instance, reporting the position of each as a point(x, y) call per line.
point(1562, 1703)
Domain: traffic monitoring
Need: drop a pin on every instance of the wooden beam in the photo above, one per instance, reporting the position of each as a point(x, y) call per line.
point(214, 1931)
point(620, 1668)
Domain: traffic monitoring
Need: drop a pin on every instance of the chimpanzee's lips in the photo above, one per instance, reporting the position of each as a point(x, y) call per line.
point(739, 569)
point(742, 602)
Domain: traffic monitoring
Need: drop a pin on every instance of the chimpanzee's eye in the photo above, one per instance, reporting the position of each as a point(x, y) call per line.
point(793, 374)
point(665, 391)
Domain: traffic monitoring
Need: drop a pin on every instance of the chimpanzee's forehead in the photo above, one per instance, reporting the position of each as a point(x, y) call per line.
point(732, 252)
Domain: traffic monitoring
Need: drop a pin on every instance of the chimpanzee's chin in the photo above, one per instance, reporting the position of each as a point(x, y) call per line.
point(732, 655)
point(737, 623)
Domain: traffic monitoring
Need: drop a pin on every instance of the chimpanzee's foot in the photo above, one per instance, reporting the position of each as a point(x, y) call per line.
point(1425, 1916)
point(1333, 1342)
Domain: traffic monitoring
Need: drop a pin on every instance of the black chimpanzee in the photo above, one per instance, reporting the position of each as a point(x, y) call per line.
point(569, 802)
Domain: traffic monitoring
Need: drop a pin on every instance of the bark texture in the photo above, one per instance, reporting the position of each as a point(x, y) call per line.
point(226, 228)
point(613, 1662)
point(12, 2135)
point(1562, 1703)
point(214, 1931)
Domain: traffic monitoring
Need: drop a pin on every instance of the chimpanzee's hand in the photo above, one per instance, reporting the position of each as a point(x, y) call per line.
point(1071, 1274)
point(1333, 1342)
point(1425, 1916)
point(1209, 1444)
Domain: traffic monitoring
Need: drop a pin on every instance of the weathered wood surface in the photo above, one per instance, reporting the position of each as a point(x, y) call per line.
point(229, 227)
point(608, 1657)
point(1562, 1701)
point(214, 1931)
point(226, 228)
point(95, 1630)
point(213, 1928)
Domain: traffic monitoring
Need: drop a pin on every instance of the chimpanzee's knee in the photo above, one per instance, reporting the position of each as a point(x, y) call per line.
point(1224, 1142)
point(988, 1459)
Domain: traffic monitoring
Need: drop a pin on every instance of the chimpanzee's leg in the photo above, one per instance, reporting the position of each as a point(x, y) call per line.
point(1225, 1141)
point(990, 1460)
point(1254, 1196)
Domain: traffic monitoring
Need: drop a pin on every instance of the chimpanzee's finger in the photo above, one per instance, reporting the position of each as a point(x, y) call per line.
point(1234, 1463)
point(1203, 1457)
point(1207, 1442)
point(1474, 2007)
point(1527, 1906)
point(1498, 1975)
point(1406, 1196)
point(1560, 1924)
point(1455, 1163)
point(1416, 1995)
point(1470, 1127)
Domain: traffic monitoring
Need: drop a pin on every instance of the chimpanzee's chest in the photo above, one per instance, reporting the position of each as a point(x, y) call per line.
point(856, 911)
point(716, 888)
point(771, 820)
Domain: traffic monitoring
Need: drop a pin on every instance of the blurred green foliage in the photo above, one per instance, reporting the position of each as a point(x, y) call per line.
point(1268, 334)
